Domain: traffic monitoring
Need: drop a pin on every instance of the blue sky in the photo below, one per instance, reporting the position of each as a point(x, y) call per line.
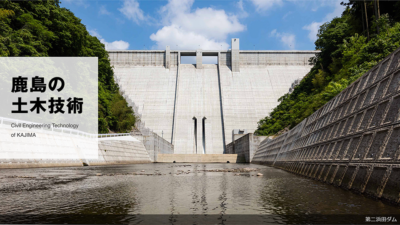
point(205, 24)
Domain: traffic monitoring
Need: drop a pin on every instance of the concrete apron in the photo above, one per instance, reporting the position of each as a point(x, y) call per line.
point(197, 158)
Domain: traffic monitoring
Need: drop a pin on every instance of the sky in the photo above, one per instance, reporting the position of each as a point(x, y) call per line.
point(205, 24)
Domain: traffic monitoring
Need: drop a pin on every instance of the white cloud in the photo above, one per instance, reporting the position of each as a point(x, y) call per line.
point(242, 13)
point(239, 4)
point(104, 11)
point(204, 28)
point(264, 5)
point(314, 26)
point(273, 33)
point(95, 33)
point(178, 38)
point(132, 11)
point(115, 45)
point(313, 30)
point(336, 12)
point(286, 15)
point(288, 40)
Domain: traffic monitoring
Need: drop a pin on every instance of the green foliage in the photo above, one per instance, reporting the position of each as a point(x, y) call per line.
point(319, 79)
point(43, 28)
point(4, 13)
point(345, 56)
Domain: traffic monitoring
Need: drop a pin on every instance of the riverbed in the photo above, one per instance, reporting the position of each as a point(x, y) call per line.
point(186, 193)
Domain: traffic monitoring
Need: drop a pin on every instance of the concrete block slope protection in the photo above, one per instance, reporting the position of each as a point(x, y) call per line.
point(353, 141)
point(234, 94)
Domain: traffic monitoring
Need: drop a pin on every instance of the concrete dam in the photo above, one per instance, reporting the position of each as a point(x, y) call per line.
point(197, 106)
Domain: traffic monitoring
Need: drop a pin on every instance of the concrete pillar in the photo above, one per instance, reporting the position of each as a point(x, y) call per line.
point(167, 58)
point(199, 60)
point(235, 55)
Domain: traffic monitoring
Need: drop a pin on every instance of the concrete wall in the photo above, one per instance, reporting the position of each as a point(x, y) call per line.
point(198, 96)
point(152, 89)
point(121, 150)
point(188, 158)
point(251, 94)
point(155, 145)
point(353, 141)
point(167, 95)
point(158, 58)
point(48, 148)
point(55, 149)
point(245, 147)
point(138, 58)
point(230, 148)
point(153, 142)
point(270, 148)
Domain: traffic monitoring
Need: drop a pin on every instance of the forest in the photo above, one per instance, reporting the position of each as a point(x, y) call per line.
point(350, 45)
point(44, 29)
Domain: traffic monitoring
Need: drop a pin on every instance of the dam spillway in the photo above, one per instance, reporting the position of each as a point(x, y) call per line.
point(197, 106)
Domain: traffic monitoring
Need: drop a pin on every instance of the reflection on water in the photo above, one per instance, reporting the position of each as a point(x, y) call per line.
point(177, 194)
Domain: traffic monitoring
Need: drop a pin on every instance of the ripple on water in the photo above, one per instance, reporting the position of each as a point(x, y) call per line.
point(119, 195)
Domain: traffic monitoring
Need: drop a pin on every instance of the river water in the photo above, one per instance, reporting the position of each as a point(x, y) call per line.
point(178, 194)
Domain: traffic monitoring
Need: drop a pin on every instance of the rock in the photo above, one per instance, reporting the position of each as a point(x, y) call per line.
point(259, 174)
point(142, 171)
point(99, 174)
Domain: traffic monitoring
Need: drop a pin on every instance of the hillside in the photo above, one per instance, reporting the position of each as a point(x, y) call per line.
point(346, 54)
point(43, 28)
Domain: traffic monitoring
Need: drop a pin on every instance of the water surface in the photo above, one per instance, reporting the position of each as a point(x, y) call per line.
point(177, 194)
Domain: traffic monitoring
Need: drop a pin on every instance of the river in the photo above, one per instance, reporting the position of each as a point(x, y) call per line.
point(178, 194)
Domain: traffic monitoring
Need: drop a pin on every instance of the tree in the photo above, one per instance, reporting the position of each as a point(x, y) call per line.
point(43, 28)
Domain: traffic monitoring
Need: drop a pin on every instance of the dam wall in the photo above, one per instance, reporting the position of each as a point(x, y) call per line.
point(150, 90)
point(252, 93)
point(353, 141)
point(154, 143)
point(196, 106)
point(198, 99)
